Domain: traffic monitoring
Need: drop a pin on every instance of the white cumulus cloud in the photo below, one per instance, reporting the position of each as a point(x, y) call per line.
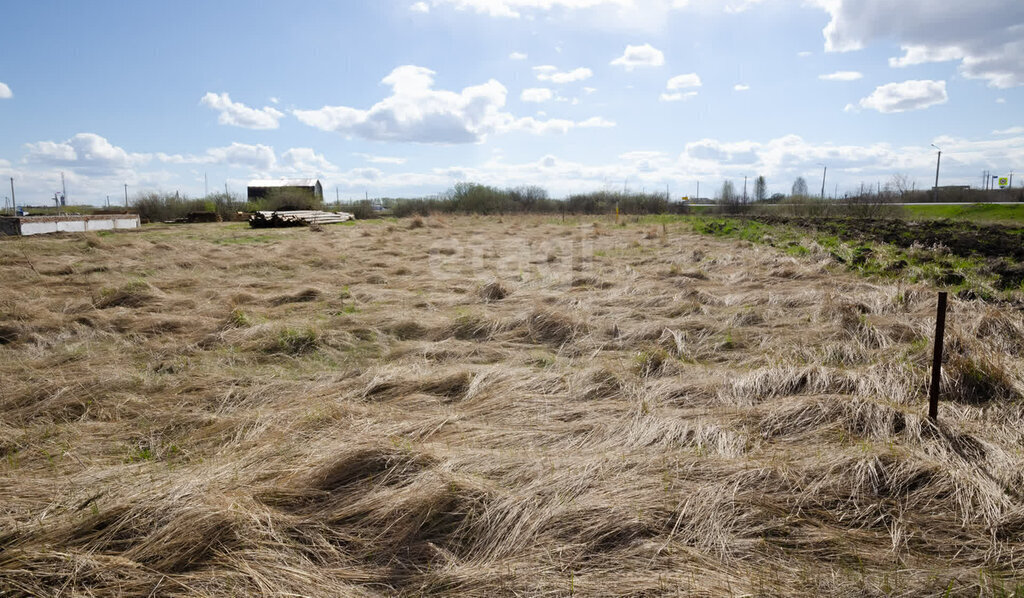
point(547, 72)
point(238, 114)
point(421, 7)
point(5, 91)
point(905, 96)
point(87, 153)
point(984, 35)
point(513, 8)
point(305, 160)
point(677, 96)
point(841, 76)
point(633, 14)
point(596, 121)
point(536, 94)
point(259, 157)
point(416, 112)
point(684, 81)
point(640, 56)
point(741, 87)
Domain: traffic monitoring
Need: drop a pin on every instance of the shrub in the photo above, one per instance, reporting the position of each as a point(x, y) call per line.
point(289, 199)
point(158, 207)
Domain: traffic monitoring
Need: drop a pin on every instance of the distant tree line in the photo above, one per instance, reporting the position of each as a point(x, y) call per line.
point(475, 198)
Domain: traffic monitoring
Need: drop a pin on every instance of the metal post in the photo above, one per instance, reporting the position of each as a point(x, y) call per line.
point(940, 329)
point(14, 202)
point(823, 173)
point(935, 189)
point(126, 196)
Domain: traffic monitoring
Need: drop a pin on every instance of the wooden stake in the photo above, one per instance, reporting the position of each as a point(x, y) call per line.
point(940, 329)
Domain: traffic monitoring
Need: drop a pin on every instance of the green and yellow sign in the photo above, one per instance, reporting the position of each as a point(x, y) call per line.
point(1003, 182)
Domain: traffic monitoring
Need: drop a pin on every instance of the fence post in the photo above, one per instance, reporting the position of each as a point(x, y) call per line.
point(940, 329)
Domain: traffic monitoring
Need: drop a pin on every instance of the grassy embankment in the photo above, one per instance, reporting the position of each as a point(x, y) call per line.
point(966, 275)
point(986, 213)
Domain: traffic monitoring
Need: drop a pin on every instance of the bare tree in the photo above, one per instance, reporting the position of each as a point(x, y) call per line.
point(728, 192)
point(729, 199)
point(760, 189)
point(901, 184)
point(799, 187)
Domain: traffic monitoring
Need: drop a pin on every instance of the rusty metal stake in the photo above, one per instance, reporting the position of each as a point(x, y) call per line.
point(940, 329)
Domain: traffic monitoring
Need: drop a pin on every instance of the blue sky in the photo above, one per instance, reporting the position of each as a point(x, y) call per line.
point(405, 98)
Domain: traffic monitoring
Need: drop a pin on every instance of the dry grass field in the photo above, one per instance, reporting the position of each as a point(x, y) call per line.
point(494, 407)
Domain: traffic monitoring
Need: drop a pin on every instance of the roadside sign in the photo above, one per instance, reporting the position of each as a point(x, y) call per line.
point(1004, 182)
point(685, 198)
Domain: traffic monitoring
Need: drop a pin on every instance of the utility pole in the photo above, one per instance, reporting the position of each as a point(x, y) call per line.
point(126, 196)
point(698, 190)
point(823, 173)
point(14, 202)
point(938, 159)
point(206, 186)
point(63, 191)
point(337, 198)
point(108, 201)
point(744, 188)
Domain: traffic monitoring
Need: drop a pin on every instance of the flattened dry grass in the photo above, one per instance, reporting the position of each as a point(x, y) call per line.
point(522, 407)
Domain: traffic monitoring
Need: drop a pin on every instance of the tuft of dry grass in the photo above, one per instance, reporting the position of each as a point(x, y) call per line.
point(299, 297)
point(493, 291)
point(598, 415)
point(133, 294)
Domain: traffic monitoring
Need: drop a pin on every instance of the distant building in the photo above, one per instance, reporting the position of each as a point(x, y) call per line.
point(260, 189)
